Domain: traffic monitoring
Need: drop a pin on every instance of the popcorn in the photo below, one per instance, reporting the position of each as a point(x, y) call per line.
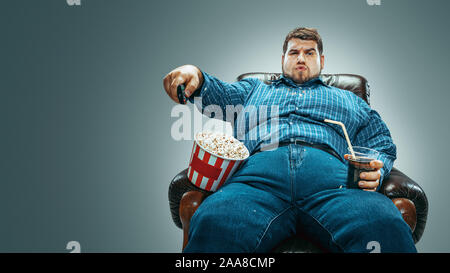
point(222, 145)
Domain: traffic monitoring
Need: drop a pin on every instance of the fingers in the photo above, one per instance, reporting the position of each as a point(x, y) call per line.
point(178, 80)
point(190, 87)
point(375, 175)
point(168, 86)
point(368, 185)
point(371, 180)
point(377, 164)
point(166, 82)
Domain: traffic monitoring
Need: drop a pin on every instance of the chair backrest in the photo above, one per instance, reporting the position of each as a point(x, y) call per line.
point(351, 82)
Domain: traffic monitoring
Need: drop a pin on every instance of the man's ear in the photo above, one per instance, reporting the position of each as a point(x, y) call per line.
point(322, 61)
point(282, 60)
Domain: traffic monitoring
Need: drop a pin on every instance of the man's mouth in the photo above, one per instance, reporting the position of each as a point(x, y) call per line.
point(301, 68)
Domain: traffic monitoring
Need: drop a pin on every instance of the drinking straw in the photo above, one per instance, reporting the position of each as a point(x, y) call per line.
point(345, 133)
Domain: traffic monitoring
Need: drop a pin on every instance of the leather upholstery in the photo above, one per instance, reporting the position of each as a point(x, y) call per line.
point(406, 194)
point(398, 185)
point(178, 187)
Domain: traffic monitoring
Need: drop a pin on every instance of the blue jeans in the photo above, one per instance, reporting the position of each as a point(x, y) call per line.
point(276, 193)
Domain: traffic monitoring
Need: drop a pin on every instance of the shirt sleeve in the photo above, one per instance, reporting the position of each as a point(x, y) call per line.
point(375, 134)
point(215, 92)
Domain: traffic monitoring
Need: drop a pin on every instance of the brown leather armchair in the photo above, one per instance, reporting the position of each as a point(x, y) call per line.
point(407, 195)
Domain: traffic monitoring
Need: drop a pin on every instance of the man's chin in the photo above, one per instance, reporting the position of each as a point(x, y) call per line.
point(301, 80)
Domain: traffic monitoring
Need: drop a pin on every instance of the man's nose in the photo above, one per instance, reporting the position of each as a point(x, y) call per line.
point(301, 57)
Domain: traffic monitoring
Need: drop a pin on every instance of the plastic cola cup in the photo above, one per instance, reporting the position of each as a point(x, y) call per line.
point(360, 163)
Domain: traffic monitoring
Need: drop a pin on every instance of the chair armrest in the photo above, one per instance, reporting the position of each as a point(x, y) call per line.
point(189, 203)
point(179, 185)
point(408, 211)
point(398, 186)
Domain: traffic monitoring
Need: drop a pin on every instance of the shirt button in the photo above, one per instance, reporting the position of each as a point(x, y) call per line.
point(296, 108)
point(290, 122)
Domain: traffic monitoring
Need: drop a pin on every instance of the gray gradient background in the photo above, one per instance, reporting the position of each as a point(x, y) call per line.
point(86, 150)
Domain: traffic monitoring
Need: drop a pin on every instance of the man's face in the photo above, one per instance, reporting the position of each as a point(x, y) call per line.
point(302, 61)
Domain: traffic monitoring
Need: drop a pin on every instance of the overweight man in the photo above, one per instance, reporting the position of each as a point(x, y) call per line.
point(303, 183)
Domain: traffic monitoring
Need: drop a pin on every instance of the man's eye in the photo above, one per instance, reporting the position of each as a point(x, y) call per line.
point(310, 53)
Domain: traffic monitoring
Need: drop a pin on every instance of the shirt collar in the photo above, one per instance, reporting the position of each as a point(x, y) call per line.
point(289, 81)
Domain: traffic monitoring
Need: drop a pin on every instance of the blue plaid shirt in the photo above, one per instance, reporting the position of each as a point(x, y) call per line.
point(298, 112)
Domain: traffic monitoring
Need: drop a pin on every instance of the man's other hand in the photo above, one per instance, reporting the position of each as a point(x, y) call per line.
point(370, 180)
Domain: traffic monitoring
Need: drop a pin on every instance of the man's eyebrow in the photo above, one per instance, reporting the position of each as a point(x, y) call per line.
point(308, 49)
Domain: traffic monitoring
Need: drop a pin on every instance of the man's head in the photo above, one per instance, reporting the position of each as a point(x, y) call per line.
point(302, 57)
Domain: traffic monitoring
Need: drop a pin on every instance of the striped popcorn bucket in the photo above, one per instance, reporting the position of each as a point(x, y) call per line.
point(208, 171)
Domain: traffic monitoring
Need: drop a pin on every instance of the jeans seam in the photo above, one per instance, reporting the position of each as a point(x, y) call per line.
point(268, 226)
point(292, 172)
point(320, 224)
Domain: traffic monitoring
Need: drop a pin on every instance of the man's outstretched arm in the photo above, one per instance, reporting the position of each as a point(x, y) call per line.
point(212, 90)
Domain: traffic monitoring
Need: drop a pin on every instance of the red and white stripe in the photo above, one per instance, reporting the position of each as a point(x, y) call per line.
point(209, 172)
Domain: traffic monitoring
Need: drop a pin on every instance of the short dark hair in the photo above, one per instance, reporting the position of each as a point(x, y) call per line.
point(304, 33)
